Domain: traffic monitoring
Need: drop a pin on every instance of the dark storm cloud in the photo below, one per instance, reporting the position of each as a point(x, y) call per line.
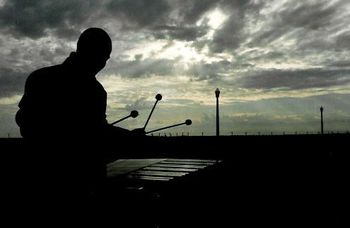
point(298, 79)
point(33, 19)
point(192, 10)
point(309, 14)
point(139, 13)
point(186, 33)
point(142, 68)
point(209, 71)
point(11, 82)
point(154, 16)
point(339, 64)
point(269, 55)
point(177, 19)
point(343, 41)
point(298, 19)
point(320, 41)
point(228, 37)
point(199, 71)
point(231, 34)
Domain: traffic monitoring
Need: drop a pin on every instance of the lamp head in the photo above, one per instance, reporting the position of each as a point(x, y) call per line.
point(217, 92)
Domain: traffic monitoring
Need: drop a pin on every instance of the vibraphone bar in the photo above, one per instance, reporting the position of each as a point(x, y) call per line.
point(157, 169)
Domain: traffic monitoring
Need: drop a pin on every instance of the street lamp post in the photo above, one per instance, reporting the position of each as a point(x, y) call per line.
point(321, 109)
point(217, 94)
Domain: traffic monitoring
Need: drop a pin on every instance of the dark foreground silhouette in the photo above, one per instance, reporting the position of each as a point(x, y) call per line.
point(262, 180)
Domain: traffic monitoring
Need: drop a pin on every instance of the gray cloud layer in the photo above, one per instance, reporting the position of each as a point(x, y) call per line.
point(139, 13)
point(262, 45)
point(11, 82)
point(313, 32)
point(34, 18)
point(297, 79)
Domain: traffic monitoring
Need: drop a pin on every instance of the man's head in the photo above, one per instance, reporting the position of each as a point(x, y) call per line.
point(94, 48)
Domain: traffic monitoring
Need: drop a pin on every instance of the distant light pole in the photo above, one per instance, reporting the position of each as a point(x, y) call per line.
point(321, 109)
point(217, 94)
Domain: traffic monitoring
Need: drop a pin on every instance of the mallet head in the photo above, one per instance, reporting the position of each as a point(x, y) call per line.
point(188, 122)
point(134, 113)
point(159, 97)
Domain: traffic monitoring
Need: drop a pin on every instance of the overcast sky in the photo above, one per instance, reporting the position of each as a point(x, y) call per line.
point(275, 61)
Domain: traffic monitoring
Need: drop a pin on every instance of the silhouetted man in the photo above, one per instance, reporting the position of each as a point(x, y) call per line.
point(66, 100)
point(63, 111)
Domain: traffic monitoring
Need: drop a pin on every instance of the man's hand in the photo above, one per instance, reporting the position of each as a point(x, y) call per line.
point(138, 132)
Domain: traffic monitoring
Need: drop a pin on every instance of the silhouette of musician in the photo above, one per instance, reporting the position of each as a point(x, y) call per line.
point(63, 114)
point(66, 100)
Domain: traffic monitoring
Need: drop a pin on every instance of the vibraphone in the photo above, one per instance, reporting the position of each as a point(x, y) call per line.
point(163, 191)
point(162, 170)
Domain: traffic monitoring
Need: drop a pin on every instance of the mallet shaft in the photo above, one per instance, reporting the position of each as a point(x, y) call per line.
point(163, 128)
point(117, 121)
point(149, 117)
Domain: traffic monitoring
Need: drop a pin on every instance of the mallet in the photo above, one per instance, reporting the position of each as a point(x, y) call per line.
point(187, 122)
point(158, 98)
point(133, 114)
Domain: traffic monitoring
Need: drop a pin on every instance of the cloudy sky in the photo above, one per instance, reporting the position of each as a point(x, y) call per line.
point(275, 61)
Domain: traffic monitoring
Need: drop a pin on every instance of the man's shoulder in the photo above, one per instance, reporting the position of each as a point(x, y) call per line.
point(46, 70)
point(44, 73)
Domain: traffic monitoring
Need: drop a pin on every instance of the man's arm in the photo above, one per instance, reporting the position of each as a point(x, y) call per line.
point(115, 132)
